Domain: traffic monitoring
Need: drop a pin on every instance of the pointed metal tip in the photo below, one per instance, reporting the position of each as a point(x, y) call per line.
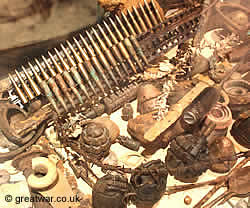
point(62, 46)
point(23, 67)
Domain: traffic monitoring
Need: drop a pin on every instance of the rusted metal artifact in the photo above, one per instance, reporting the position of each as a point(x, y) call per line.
point(95, 140)
point(110, 191)
point(127, 112)
point(221, 147)
point(149, 182)
point(183, 157)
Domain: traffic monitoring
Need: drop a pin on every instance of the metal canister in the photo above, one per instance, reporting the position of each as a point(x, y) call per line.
point(221, 116)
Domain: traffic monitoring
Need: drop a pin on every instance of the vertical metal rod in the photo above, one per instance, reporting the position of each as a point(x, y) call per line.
point(151, 14)
point(70, 80)
point(156, 11)
point(146, 17)
point(32, 83)
point(102, 58)
point(114, 49)
point(18, 90)
point(96, 63)
point(47, 91)
point(52, 84)
point(131, 29)
point(143, 26)
point(89, 66)
point(137, 27)
point(27, 90)
point(81, 67)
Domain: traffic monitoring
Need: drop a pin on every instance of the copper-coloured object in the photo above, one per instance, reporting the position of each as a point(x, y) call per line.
point(187, 200)
point(26, 88)
point(127, 112)
point(95, 140)
point(18, 90)
point(222, 147)
point(147, 95)
point(221, 116)
point(241, 131)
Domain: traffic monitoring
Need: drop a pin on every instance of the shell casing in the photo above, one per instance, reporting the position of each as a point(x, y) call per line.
point(113, 38)
point(132, 52)
point(70, 59)
point(47, 91)
point(32, 83)
point(122, 48)
point(137, 27)
point(156, 11)
point(113, 62)
point(49, 94)
point(27, 90)
point(107, 40)
point(100, 70)
point(57, 66)
point(131, 29)
point(138, 49)
point(82, 52)
point(19, 91)
point(71, 83)
point(146, 17)
point(96, 63)
point(102, 58)
point(126, 55)
point(118, 55)
point(57, 92)
point(78, 79)
point(65, 65)
point(94, 75)
point(86, 76)
point(117, 31)
point(89, 66)
point(67, 76)
point(81, 67)
point(75, 73)
point(52, 84)
point(52, 72)
point(141, 22)
point(109, 53)
point(122, 26)
point(151, 14)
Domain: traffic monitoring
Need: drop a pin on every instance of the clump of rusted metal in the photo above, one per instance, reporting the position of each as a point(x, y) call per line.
point(184, 156)
point(127, 112)
point(95, 140)
point(149, 182)
point(241, 131)
point(147, 95)
point(109, 192)
point(222, 147)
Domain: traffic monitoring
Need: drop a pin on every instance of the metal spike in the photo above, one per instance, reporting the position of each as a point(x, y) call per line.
point(27, 90)
point(156, 11)
point(122, 26)
point(152, 16)
point(102, 44)
point(82, 52)
point(48, 93)
point(146, 16)
point(96, 48)
point(90, 68)
point(143, 26)
point(131, 29)
point(52, 72)
point(109, 43)
point(65, 65)
point(32, 83)
point(71, 60)
point(119, 34)
point(18, 90)
point(96, 62)
point(58, 67)
point(114, 39)
point(81, 67)
point(86, 45)
point(137, 27)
